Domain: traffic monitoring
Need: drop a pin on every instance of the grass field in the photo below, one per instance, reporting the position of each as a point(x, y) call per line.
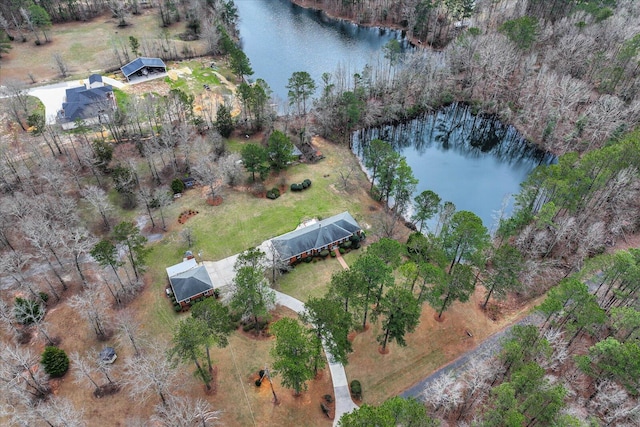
point(85, 47)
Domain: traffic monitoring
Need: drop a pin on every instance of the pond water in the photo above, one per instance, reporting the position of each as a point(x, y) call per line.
point(281, 38)
point(472, 161)
point(477, 163)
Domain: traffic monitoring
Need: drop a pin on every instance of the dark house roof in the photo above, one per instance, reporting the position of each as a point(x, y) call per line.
point(83, 103)
point(190, 283)
point(93, 78)
point(108, 354)
point(140, 63)
point(316, 236)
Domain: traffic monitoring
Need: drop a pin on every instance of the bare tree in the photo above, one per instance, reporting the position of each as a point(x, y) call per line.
point(207, 170)
point(44, 237)
point(17, 101)
point(61, 65)
point(99, 200)
point(8, 320)
point(14, 263)
point(56, 411)
point(84, 373)
point(186, 412)
point(231, 169)
point(146, 194)
point(20, 373)
point(163, 198)
point(130, 331)
point(151, 374)
point(77, 245)
point(91, 305)
point(188, 237)
point(443, 394)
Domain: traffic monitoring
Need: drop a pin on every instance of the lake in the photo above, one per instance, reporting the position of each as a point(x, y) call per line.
point(477, 163)
point(281, 38)
point(474, 162)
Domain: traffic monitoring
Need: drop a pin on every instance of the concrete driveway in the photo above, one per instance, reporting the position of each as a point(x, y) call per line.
point(221, 272)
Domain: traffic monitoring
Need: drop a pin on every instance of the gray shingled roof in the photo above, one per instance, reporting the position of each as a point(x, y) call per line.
point(139, 63)
point(190, 283)
point(83, 103)
point(95, 78)
point(316, 236)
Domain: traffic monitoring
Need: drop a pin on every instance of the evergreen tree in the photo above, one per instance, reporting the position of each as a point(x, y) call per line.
point(295, 353)
point(224, 121)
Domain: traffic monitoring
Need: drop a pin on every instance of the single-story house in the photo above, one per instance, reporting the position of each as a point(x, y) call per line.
point(189, 281)
point(143, 67)
point(314, 238)
point(88, 102)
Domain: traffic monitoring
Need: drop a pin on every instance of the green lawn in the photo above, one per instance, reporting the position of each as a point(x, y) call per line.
point(244, 221)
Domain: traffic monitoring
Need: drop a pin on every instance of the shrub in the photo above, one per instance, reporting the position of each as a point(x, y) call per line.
point(43, 296)
point(55, 361)
point(216, 293)
point(177, 186)
point(302, 186)
point(177, 308)
point(342, 251)
point(346, 244)
point(324, 253)
point(307, 259)
point(273, 194)
point(356, 389)
point(333, 254)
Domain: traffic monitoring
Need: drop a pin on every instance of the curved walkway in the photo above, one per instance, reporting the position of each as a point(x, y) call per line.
point(343, 400)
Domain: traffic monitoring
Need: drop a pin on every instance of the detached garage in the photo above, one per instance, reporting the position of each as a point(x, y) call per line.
point(144, 68)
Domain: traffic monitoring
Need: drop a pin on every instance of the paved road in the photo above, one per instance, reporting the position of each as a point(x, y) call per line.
point(487, 348)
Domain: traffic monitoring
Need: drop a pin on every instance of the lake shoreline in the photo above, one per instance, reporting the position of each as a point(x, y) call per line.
point(311, 5)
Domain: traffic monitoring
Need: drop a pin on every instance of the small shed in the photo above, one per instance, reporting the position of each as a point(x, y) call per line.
point(108, 355)
point(143, 67)
point(188, 182)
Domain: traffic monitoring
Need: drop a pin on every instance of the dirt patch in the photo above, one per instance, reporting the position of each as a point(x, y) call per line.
point(433, 344)
point(214, 201)
point(106, 390)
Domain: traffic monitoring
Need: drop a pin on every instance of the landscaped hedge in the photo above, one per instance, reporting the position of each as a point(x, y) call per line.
point(356, 389)
point(302, 186)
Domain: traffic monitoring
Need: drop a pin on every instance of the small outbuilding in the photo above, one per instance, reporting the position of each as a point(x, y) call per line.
point(189, 281)
point(108, 355)
point(144, 68)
